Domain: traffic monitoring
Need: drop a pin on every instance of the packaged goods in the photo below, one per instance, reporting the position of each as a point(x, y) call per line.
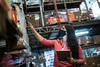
point(96, 39)
point(48, 0)
point(35, 19)
point(86, 40)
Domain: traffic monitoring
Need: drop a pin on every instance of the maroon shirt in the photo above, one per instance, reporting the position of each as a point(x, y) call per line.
point(57, 44)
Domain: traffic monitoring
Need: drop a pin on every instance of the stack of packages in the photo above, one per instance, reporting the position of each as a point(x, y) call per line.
point(50, 17)
point(89, 40)
point(92, 62)
point(86, 40)
point(84, 16)
point(48, 0)
point(74, 16)
point(96, 39)
point(35, 19)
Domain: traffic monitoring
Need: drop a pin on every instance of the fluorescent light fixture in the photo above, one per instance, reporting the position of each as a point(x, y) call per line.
point(81, 33)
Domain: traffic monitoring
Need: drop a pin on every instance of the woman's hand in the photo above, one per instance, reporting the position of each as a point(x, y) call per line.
point(37, 35)
point(30, 25)
point(76, 61)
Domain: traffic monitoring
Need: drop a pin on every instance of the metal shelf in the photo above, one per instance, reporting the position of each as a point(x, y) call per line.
point(79, 24)
point(86, 23)
point(55, 27)
point(53, 3)
point(33, 6)
point(50, 6)
point(90, 46)
point(74, 4)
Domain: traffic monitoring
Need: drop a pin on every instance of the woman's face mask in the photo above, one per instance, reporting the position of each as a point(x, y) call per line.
point(62, 35)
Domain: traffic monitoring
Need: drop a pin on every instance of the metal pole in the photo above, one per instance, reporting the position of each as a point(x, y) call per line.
point(80, 14)
point(87, 9)
point(98, 3)
point(80, 9)
point(41, 11)
point(28, 64)
point(66, 11)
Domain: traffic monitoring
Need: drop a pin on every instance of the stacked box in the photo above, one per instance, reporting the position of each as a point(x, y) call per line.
point(35, 19)
point(48, 0)
point(84, 16)
point(89, 40)
point(67, 0)
point(59, 0)
point(92, 62)
point(86, 40)
point(96, 39)
point(81, 40)
point(77, 16)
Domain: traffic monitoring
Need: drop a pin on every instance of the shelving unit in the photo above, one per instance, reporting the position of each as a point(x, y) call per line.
point(11, 45)
point(91, 46)
point(11, 30)
point(47, 29)
point(21, 31)
point(55, 27)
point(50, 28)
point(50, 6)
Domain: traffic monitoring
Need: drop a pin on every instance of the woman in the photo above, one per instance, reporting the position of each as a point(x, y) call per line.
point(67, 41)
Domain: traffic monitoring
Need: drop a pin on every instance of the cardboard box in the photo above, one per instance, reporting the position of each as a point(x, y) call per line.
point(84, 16)
point(92, 62)
point(89, 39)
point(71, 16)
point(81, 40)
point(35, 19)
point(67, 0)
point(59, 0)
point(48, 0)
point(86, 40)
point(96, 39)
point(77, 16)
point(74, 16)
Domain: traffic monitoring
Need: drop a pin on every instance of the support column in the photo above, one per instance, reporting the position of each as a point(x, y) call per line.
point(87, 9)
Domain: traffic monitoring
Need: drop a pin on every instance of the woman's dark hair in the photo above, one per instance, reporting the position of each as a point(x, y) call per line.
point(72, 41)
